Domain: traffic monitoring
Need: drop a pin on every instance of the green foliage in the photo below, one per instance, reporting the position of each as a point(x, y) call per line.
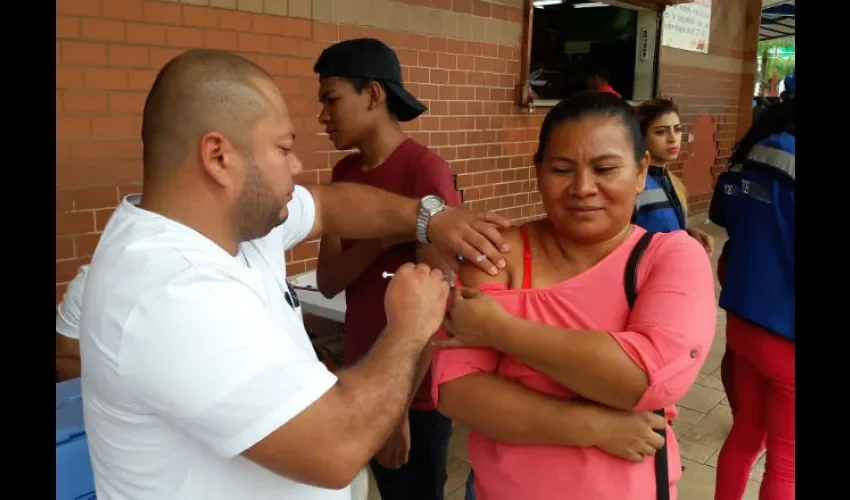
point(775, 55)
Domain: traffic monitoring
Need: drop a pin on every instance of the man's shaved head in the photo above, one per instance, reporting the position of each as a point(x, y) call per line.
point(197, 92)
point(224, 121)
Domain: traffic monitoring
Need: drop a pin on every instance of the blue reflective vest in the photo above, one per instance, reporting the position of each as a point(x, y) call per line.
point(755, 202)
point(658, 209)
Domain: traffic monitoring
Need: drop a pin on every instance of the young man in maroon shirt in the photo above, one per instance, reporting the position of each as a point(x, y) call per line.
point(363, 101)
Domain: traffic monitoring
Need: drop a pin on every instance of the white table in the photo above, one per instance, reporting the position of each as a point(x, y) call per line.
point(313, 302)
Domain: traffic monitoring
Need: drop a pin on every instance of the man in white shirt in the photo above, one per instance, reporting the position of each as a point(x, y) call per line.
point(68, 328)
point(68, 352)
point(199, 381)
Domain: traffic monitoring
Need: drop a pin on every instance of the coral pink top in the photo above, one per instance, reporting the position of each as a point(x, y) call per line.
point(668, 334)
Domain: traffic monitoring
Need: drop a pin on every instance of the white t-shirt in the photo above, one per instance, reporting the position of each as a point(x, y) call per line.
point(190, 356)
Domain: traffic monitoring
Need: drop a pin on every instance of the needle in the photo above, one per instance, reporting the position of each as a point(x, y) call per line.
point(452, 277)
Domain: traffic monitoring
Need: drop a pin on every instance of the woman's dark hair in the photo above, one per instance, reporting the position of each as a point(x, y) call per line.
point(651, 110)
point(775, 119)
point(591, 103)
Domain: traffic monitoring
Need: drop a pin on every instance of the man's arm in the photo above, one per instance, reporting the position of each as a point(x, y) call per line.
point(259, 394)
point(337, 269)
point(329, 442)
point(357, 211)
point(67, 358)
point(427, 255)
point(433, 177)
point(68, 328)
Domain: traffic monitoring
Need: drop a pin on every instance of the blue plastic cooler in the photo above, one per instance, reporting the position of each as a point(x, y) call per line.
point(74, 477)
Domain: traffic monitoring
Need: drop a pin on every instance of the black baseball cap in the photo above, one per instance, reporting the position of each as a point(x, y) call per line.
point(370, 59)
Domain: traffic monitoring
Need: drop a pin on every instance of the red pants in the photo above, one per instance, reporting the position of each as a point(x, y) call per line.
point(726, 367)
point(763, 380)
point(727, 364)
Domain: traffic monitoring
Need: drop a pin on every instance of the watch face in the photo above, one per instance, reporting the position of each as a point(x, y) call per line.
point(432, 203)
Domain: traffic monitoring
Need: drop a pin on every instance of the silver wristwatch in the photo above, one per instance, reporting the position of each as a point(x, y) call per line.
point(429, 206)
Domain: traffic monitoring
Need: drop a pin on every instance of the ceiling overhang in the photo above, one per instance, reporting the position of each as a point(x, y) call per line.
point(777, 19)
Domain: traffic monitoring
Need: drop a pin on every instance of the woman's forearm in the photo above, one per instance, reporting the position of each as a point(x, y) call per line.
point(590, 363)
point(508, 412)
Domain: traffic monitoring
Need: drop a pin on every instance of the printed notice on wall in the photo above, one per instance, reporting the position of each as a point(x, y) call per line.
point(686, 26)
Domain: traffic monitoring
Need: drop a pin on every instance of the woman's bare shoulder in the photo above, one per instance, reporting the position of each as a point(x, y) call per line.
point(471, 275)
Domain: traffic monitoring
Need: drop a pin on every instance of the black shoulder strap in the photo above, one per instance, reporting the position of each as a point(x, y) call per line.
point(662, 476)
point(631, 267)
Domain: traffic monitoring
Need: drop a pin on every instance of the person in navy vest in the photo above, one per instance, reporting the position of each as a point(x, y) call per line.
point(755, 201)
point(663, 205)
point(760, 130)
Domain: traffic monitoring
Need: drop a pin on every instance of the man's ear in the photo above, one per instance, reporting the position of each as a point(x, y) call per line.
point(219, 158)
point(377, 95)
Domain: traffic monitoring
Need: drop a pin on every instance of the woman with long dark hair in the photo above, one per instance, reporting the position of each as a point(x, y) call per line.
point(774, 120)
point(755, 201)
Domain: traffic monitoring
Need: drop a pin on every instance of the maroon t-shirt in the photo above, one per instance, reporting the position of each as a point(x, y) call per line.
point(414, 171)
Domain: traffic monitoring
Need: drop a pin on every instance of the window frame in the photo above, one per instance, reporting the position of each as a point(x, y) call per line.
point(524, 98)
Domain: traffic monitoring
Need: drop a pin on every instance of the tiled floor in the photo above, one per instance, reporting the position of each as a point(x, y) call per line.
point(704, 420)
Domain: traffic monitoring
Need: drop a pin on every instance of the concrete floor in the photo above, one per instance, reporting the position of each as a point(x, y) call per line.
point(703, 423)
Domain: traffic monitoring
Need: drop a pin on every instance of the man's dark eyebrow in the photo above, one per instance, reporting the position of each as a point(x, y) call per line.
point(324, 95)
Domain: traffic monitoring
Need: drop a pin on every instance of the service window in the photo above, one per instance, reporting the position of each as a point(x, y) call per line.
point(572, 40)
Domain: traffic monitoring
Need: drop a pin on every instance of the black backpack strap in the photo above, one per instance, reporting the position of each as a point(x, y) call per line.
point(662, 476)
point(631, 267)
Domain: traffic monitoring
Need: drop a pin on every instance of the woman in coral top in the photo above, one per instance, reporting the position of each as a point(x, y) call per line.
point(531, 356)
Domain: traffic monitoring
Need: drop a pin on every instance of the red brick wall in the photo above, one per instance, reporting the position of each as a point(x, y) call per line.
point(109, 51)
point(699, 92)
point(718, 85)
